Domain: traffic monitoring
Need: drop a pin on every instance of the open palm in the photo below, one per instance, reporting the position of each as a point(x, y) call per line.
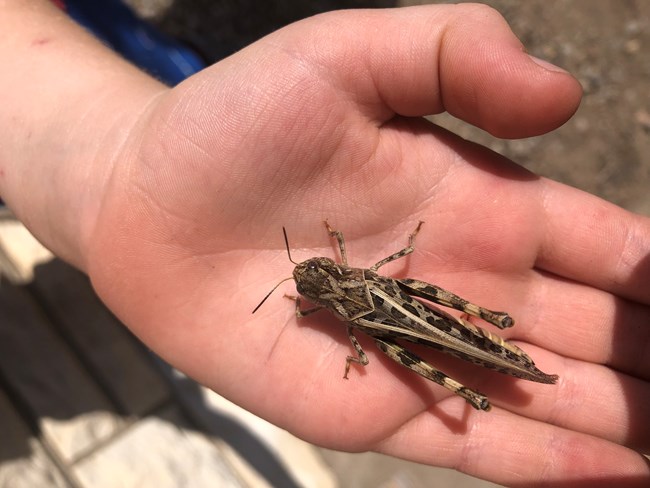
point(321, 120)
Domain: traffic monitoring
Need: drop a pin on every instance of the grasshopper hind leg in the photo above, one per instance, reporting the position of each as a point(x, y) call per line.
point(446, 298)
point(406, 358)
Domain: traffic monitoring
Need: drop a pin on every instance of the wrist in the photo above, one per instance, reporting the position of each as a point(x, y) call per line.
point(72, 106)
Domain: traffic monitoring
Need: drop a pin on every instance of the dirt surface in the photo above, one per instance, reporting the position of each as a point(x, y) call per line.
point(604, 149)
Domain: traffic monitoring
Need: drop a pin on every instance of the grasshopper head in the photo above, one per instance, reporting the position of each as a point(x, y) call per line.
point(339, 288)
point(325, 283)
point(317, 278)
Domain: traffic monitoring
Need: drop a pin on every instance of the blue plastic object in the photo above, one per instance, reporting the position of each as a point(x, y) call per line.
point(114, 23)
point(155, 52)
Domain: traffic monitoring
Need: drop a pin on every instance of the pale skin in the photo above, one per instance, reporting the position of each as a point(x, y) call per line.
point(173, 200)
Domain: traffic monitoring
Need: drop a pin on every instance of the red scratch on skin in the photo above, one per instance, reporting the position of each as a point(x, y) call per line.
point(41, 41)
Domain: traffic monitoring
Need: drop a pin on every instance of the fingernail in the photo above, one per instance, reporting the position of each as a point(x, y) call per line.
point(547, 65)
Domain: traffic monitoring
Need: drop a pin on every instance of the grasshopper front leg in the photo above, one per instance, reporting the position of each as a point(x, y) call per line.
point(406, 358)
point(301, 313)
point(361, 358)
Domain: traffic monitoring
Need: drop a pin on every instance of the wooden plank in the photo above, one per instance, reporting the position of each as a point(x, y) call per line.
point(23, 461)
point(159, 451)
point(19, 251)
point(70, 409)
point(106, 347)
point(265, 455)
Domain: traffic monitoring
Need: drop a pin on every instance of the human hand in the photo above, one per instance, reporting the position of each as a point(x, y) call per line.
point(321, 120)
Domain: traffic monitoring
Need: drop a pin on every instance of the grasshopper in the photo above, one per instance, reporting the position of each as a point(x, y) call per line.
point(384, 309)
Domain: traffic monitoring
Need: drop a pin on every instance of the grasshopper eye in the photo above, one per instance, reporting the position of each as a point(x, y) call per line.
point(312, 266)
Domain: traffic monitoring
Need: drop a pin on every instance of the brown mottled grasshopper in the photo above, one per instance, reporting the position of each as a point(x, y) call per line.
point(384, 308)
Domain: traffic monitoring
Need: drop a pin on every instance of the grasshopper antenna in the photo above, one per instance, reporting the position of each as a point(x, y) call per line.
point(269, 293)
point(286, 243)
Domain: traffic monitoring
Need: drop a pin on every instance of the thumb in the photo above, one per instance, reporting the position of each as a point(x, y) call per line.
point(463, 59)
